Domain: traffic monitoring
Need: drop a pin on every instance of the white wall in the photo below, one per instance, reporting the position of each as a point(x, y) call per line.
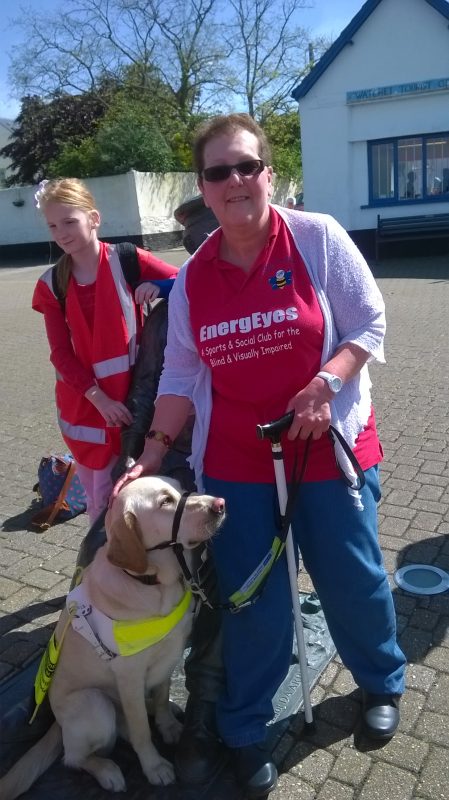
point(159, 194)
point(134, 204)
point(402, 41)
point(117, 198)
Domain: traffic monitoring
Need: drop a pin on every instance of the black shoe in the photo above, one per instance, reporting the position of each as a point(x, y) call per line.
point(255, 770)
point(380, 715)
point(200, 755)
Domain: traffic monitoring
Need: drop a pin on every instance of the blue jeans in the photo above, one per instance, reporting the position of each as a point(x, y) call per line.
point(340, 550)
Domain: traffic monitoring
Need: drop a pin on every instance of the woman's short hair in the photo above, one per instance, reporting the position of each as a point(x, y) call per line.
point(223, 125)
point(70, 191)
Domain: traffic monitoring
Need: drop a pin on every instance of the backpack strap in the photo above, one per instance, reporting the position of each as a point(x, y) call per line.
point(127, 253)
point(56, 289)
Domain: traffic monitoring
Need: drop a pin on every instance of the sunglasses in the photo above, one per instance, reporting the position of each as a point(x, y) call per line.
point(245, 169)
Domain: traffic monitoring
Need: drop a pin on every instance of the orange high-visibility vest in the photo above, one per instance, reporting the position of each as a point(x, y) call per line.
point(109, 350)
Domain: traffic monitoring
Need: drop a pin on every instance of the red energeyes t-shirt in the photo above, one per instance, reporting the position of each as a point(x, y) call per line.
point(261, 333)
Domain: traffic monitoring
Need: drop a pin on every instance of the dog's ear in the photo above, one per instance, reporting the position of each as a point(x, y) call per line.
point(125, 544)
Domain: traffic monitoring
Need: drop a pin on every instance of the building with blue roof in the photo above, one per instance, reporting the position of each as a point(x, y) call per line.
point(375, 118)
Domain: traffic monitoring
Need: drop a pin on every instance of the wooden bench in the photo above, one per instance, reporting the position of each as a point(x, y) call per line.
point(425, 226)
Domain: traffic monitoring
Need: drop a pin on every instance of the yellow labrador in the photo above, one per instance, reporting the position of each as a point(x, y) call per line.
point(130, 595)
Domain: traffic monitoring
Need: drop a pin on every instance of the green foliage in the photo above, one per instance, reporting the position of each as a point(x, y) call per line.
point(43, 128)
point(283, 133)
point(127, 137)
point(75, 160)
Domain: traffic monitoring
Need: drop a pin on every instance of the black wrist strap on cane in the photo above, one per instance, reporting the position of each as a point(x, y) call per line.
point(334, 436)
point(293, 488)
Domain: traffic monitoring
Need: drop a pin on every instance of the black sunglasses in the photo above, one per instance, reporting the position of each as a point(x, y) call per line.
point(245, 169)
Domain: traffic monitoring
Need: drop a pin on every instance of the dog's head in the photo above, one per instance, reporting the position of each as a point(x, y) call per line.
point(141, 518)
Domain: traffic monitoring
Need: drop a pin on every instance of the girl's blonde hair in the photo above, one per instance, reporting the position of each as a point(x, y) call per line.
point(71, 192)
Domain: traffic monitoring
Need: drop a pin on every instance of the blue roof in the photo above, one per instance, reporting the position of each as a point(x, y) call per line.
point(346, 37)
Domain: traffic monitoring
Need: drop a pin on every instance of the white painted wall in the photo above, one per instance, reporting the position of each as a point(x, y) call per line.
point(159, 194)
point(402, 41)
point(133, 204)
point(118, 198)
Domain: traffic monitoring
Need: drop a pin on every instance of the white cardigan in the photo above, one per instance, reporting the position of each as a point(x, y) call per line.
point(353, 311)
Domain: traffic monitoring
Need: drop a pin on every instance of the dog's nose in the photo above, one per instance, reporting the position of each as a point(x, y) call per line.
point(218, 505)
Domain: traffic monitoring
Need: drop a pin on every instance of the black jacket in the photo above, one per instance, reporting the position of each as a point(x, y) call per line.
point(141, 399)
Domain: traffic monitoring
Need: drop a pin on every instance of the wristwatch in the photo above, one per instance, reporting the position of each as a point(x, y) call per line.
point(333, 381)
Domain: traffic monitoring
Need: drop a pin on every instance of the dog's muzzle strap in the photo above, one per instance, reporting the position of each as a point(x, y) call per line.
point(178, 550)
point(178, 514)
point(175, 545)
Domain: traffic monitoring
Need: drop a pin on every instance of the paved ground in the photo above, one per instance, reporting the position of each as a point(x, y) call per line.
point(411, 395)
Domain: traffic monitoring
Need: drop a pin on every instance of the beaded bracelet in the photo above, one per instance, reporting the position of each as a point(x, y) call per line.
point(160, 437)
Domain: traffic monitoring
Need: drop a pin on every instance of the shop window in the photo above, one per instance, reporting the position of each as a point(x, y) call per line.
point(383, 170)
point(409, 170)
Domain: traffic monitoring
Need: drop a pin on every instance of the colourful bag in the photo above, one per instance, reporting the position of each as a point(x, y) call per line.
point(60, 490)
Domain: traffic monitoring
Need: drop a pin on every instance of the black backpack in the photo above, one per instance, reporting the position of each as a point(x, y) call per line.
point(129, 263)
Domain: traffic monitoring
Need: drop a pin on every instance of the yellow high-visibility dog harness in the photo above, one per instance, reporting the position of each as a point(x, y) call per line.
point(111, 638)
point(108, 637)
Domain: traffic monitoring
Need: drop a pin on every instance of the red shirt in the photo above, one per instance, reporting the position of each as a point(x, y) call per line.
point(262, 337)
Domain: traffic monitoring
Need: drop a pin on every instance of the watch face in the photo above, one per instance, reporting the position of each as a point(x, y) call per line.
point(335, 383)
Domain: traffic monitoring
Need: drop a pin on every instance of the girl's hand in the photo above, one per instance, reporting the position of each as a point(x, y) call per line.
point(146, 293)
point(113, 412)
point(148, 464)
point(312, 410)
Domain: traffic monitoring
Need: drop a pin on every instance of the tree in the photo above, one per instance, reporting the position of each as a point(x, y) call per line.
point(283, 133)
point(182, 59)
point(268, 54)
point(205, 55)
point(174, 42)
point(42, 128)
point(126, 138)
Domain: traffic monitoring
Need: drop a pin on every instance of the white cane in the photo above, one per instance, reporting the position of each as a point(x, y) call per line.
point(272, 431)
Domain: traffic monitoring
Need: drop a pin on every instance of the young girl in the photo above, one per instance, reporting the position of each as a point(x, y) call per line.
point(93, 333)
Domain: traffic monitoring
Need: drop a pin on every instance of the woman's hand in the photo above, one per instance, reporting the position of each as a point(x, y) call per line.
point(148, 464)
point(312, 410)
point(113, 412)
point(146, 292)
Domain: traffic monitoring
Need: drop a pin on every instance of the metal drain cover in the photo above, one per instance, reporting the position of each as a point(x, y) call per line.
point(422, 579)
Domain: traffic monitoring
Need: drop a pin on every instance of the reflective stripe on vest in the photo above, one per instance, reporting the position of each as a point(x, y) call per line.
point(111, 366)
point(82, 433)
point(126, 302)
point(122, 637)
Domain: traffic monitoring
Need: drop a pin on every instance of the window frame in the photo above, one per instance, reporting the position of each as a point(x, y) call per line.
point(425, 199)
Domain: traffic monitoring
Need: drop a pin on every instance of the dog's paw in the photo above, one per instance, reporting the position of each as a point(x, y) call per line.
point(109, 776)
point(170, 728)
point(161, 773)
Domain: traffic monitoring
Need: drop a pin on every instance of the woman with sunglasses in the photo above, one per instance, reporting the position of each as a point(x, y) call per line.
point(278, 311)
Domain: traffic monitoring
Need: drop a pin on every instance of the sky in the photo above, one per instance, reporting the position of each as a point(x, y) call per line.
point(326, 17)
